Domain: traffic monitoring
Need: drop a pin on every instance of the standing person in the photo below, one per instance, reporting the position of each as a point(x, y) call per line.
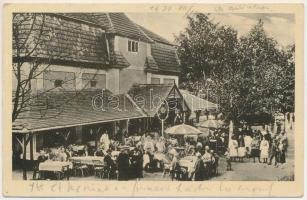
point(255, 151)
point(241, 149)
point(282, 147)
point(264, 150)
point(273, 152)
point(233, 146)
point(199, 168)
point(228, 159)
point(136, 164)
point(248, 141)
point(41, 158)
point(123, 165)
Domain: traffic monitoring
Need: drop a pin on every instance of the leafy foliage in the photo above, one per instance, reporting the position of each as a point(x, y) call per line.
point(247, 75)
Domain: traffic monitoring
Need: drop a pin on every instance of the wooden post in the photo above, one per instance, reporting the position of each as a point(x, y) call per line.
point(31, 146)
point(127, 126)
point(24, 158)
point(96, 138)
point(162, 131)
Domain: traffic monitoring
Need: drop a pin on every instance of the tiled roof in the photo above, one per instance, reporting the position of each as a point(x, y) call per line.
point(66, 109)
point(118, 60)
point(150, 63)
point(117, 23)
point(122, 25)
point(154, 36)
point(64, 39)
point(165, 57)
point(149, 96)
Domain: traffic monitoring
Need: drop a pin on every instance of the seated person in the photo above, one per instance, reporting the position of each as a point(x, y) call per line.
point(99, 152)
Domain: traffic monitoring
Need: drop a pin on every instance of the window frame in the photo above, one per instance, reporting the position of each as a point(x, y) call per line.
point(59, 81)
point(133, 46)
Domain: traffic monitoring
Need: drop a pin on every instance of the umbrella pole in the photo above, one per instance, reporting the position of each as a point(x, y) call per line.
point(162, 128)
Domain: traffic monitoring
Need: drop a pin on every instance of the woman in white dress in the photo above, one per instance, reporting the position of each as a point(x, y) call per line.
point(241, 148)
point(248, 143)
point(233, 146)
point(264, 150)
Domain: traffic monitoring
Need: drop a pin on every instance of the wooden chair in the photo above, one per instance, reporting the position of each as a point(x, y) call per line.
point(80, 168)
point(98, 168)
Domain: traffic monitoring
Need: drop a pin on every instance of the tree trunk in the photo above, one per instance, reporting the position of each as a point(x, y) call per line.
point(230, 131)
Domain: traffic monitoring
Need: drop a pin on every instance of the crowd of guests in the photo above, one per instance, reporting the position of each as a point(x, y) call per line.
point(260, 145)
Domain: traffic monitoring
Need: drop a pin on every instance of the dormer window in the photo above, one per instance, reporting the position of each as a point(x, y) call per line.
point(133, 46)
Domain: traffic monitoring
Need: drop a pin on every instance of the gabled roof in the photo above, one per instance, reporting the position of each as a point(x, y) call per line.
point(61, 109)
point(149, 97)
point(154, 36)
point(117, 23)
point(165, 57)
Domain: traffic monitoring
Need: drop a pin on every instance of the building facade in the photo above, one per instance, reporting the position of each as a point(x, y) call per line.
point(96, 50)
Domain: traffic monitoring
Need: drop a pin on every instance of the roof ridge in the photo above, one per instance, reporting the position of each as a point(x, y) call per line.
point(138, 27)
point(110, 21)
point(157, 35)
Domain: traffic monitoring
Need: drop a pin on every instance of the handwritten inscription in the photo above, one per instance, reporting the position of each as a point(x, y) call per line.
point(137, 187)
point(189, 9)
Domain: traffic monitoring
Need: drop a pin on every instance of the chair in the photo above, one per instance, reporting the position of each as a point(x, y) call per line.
point(98, 168)
point(79, 167)
point(166, 169)
point(64, 173)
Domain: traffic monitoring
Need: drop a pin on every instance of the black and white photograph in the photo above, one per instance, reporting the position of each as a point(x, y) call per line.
point(152, 100)
point(153, 96)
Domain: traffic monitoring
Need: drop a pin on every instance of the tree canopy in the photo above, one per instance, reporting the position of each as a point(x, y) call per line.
point(247, 75)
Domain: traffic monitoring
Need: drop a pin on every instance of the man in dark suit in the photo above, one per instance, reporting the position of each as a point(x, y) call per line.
point(123, 165)
point(110, 166)
point(199, 168)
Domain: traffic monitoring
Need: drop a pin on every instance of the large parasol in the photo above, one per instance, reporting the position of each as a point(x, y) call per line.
point(183, 129)
point(211, 124)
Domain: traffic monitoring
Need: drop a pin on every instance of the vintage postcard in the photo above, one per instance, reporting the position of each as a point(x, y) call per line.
point(157, 100)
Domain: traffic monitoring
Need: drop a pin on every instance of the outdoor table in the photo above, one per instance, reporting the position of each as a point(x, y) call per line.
point(53, 166)
point(188, 162)
point(87, 160)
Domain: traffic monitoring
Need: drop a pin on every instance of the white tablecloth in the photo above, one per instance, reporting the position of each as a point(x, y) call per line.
point(54, 166)
point(188, 162)
point(87, 160)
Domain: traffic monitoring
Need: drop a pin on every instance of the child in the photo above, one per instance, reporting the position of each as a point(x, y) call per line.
point(228, 159)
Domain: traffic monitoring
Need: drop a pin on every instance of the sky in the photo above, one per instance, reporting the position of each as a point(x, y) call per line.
point(279, 26)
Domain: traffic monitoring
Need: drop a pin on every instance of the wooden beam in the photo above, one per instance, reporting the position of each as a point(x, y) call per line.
point(24, 158)
point(31, 146)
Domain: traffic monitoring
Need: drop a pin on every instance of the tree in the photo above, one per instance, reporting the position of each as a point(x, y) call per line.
point(38, 45)
point(243, 75)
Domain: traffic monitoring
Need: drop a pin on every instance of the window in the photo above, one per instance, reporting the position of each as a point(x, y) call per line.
point(66, 80)
point(93, 83)
point(168, 81)
point(155, 80)
point(133, 46)
point(91, 80)
point(58, 83)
